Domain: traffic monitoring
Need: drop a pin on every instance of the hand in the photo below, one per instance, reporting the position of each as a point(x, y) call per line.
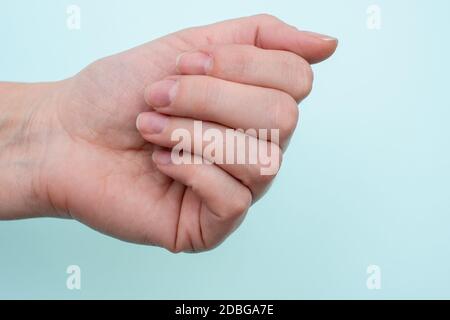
point(92, 164)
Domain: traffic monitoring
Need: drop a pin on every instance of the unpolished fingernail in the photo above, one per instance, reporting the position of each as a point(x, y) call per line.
point(162, 157)
point(162, 93)
point(151, 122)
point(323, 37)
point(194, 63)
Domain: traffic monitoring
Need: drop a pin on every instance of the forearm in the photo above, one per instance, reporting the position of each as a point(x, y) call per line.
point(22, 134)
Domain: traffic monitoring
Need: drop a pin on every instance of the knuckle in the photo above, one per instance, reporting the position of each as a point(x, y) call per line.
point(265, 179)
point(240, 204)
point(286, 115)
point(266, 170)
point(175, 249)
point(309, 79)
point(266, 17)
point(253, 177)
point(247, 178)
point(304, 78)
point(298, 74)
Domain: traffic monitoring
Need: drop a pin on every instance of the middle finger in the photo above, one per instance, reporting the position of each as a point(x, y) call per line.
point(231, 104)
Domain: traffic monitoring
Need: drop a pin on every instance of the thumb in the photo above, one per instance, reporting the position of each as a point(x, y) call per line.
point(268, 32)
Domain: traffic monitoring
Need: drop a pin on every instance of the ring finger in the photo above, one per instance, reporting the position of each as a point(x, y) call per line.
point(253, 161)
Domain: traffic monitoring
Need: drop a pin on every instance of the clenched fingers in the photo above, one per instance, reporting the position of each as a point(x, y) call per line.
point(252, 161)
point(234, 105)
point(224, 200)
point(247, 64)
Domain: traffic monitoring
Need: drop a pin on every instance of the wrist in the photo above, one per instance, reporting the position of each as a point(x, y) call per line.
point(26, 129)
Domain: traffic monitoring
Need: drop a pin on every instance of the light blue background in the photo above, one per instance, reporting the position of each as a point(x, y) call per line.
point(365, 181)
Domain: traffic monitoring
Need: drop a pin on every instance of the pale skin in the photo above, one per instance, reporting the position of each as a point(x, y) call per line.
point(96, 147)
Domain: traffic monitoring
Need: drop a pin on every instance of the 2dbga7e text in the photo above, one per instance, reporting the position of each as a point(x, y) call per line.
point(248, 309)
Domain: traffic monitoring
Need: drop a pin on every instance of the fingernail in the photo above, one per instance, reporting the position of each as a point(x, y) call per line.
point(162, 157)
point(194, 63)
point(151, 122)
point(162, 93)
point(323, 37)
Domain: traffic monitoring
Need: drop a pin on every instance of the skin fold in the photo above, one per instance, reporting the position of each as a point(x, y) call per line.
point(94, 147)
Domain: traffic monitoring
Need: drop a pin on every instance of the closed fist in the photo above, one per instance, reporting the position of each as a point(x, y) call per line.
point(136, 144)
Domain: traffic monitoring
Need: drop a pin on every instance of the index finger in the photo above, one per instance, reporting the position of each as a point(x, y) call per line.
point(268, 32)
